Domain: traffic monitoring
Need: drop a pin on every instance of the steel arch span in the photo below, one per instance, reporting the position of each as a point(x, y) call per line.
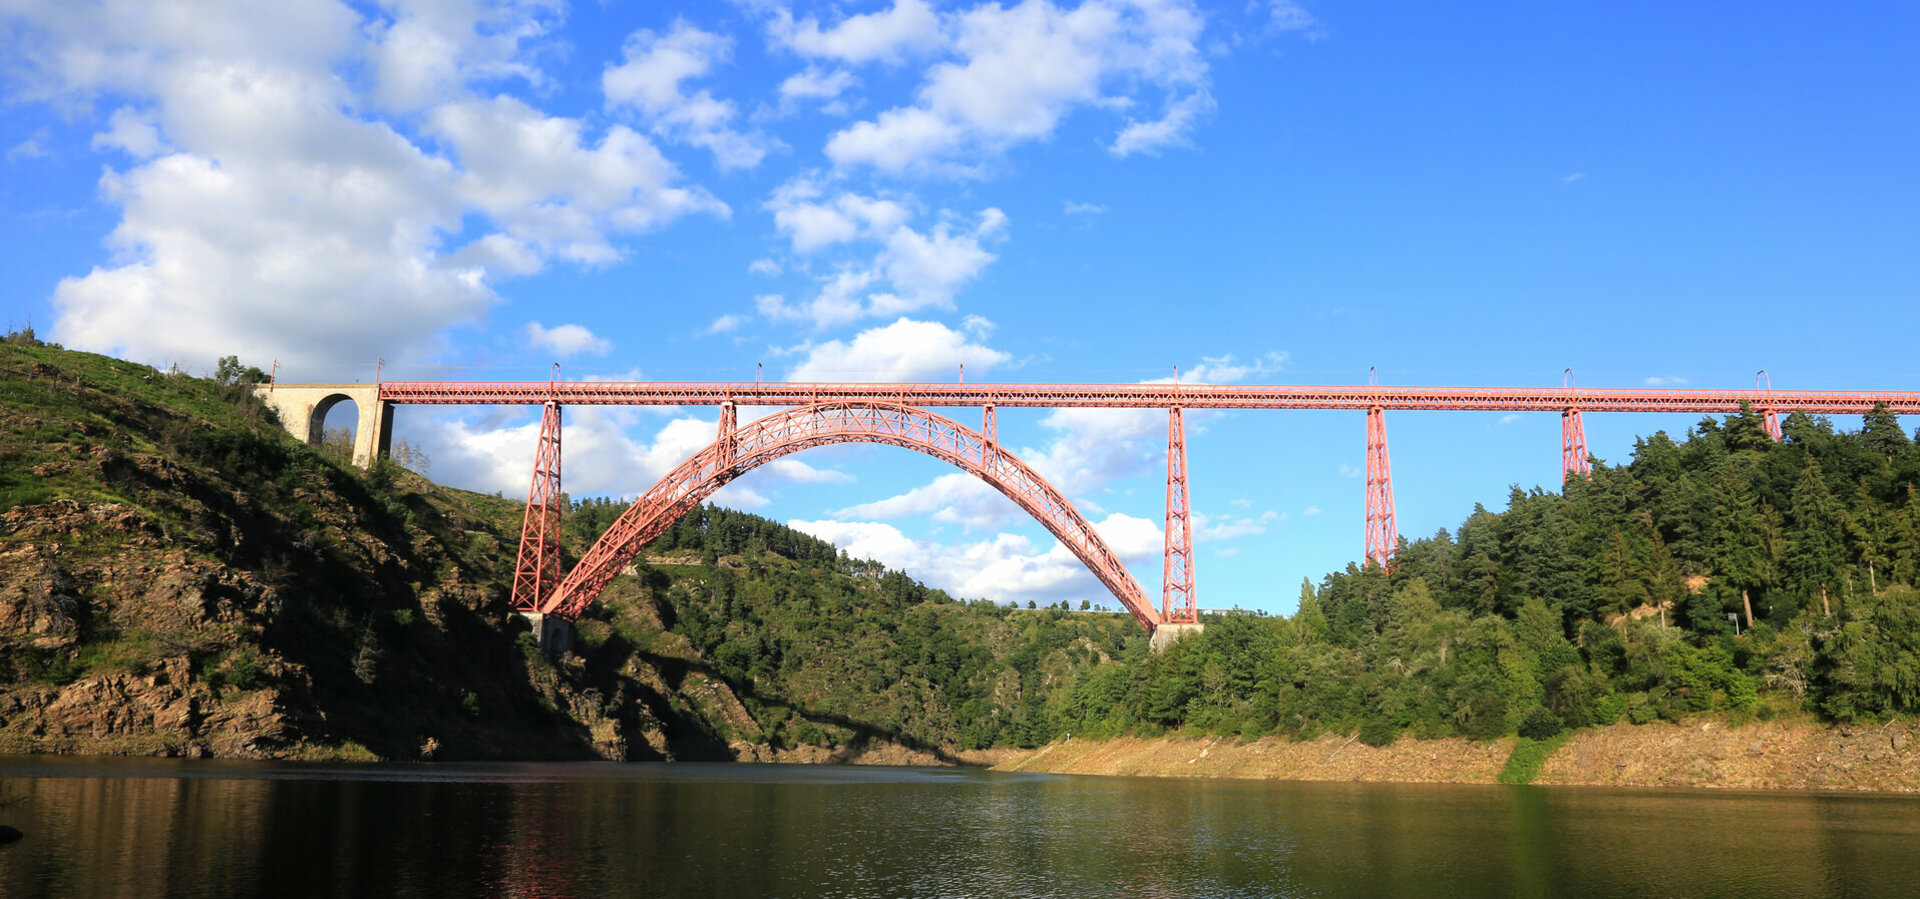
point(740, 450)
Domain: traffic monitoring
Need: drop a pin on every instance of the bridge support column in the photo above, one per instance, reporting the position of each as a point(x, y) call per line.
point(1573, 446)
point(1772, 421)
point(989, 441)
point(1382, 537)
point(1170, 633)
point(1176, 580)
point(554, 632)
point(537, 571)
point(729, 427)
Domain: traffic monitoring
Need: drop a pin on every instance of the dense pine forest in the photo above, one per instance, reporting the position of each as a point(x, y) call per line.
point(1724, 573)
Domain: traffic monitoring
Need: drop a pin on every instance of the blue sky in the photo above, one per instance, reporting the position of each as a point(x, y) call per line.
point(1097, 191)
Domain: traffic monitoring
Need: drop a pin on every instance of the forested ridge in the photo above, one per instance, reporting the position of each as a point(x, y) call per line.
point(1618, 598)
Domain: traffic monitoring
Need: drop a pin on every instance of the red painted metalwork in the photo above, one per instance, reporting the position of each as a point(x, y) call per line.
point(822, 424)
point(1177, 604)
point(1573, 446)
point(729, 427)
point(537, 571)
point(1382, 537)
point(1568, 400)
point(1149, 396)
point(1769, 416)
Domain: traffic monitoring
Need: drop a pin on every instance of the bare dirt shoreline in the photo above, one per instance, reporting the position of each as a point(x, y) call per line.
point(1757, 755)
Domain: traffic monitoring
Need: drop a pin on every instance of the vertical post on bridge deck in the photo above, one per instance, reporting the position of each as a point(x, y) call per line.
point(1382, 538)
point(989, 436)
point(1177, 605)
point(1768, 417)
point(1573, 446)
point(729, 428)
point(537, 572)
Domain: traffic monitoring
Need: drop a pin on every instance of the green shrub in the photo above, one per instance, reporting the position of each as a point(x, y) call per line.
point(1540, 723)
point(1609, 708)
point(240, 668)
point(1379, 731)
point(1641, 709)
point(1485, 717)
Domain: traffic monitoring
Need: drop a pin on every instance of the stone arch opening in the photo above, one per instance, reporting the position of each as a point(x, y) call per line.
point(345, 425)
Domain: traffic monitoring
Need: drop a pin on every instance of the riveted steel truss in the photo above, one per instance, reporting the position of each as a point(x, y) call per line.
point(792, 430)
point(1148, 396)
point(1573, 446)
point(1177, 604)
point(537, 571)
point(1382, 536)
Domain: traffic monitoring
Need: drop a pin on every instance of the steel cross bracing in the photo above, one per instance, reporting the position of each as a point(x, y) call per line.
point(1150, 396)
point(745, 447)
point(1382, 534)
point(1573, 446)
point(1177, 602)
point(537, 570)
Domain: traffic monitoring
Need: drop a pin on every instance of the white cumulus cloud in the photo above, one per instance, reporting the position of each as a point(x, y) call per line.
point(650, 81)
point(272, 205)
point(904, 29)
point(494, 452)
point(566, 340)
point(1005, 567)
point(1017, 71)
point(906, 350)
point(813, 222)
point(911, 270)
point(956, 497)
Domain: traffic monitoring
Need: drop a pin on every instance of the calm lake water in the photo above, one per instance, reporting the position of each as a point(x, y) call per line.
point(209, 828)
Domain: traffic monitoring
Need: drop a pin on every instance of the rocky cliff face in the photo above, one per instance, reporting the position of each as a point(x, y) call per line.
point(178, 578)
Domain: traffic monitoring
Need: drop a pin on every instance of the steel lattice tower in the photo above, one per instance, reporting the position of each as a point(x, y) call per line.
point(1177, 605)
point(1382, 538)
point(538, 570)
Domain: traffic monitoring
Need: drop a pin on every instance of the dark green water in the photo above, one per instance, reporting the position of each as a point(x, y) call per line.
point(201, 828)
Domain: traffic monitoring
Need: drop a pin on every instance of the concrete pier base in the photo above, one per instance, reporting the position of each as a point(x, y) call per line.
point(556, 634)
point(1168, 634)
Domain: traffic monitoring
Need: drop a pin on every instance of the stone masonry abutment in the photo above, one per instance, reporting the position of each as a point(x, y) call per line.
point(303, 412)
